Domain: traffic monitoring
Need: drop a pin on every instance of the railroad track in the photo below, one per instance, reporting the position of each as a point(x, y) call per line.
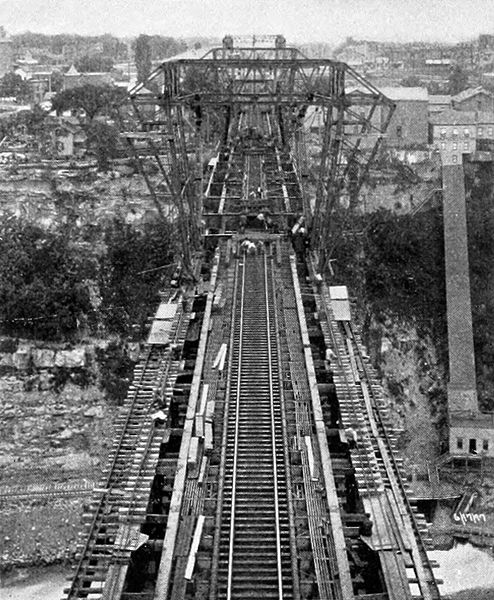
point(392, 465)
point(103, 522)
point(377, 469)
point(254, 539)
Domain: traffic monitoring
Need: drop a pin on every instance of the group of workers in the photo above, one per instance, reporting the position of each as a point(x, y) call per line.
point(263, 220)
point(250, 247)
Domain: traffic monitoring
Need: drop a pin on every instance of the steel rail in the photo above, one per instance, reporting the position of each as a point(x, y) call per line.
point(273, 434)
point(235, 455)
point(426, 563)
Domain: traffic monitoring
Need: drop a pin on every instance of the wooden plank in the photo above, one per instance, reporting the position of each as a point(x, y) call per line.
point(189, 570)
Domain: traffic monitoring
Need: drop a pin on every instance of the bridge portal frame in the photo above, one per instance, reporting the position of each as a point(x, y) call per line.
point(189, 101)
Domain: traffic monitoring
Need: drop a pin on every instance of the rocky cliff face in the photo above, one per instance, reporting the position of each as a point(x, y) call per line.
point(57, 408)
point(414, 379)
point(47, 200)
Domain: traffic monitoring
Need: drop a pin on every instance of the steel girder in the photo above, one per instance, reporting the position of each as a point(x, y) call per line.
point(190, 102)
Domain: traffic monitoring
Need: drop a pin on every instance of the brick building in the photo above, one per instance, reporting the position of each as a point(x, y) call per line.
point(439, 102)
point(454, 133)
point(409, 124)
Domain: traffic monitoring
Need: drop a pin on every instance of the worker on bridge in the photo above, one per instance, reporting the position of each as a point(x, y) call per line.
point(351, 437)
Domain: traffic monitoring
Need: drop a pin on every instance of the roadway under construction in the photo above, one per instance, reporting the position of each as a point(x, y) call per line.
point(253, 457)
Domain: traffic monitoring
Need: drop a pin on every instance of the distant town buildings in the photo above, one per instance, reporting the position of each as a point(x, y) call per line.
point(430, 61)
point(474, 99)
point(72, 78)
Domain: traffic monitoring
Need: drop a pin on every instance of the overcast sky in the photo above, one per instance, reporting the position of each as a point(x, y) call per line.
point(302, 20)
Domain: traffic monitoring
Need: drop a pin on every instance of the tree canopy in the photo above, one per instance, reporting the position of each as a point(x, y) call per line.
point(49, 280)
point(94, 63)
point(12, 84)
point(103, 141)
point(143, 57)
point(131, 272)
point(93, 99)
point(42, 289)
point(457, 81)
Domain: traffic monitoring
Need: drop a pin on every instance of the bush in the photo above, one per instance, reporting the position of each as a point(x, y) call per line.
point(131, 274)
point(42, 282)
point(398, 263)
point(55, 284)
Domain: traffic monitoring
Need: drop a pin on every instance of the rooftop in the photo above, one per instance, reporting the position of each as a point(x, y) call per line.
point(470, 93)
point(461, 117)
point(406, 93)
point(72, 71)
point(393, 93)
point(439, 99)
point(453, 117)
point(437, 61)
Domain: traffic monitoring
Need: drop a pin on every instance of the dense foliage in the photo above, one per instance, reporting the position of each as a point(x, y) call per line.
point(78, 44)
point(398, 262)
point(94, 63)
point(93, 99)
point(458, 80)
point(42, 282)
point(12, 85)
point(32, 121)
point(131, 273)
point(103, 140)
point(56, 285)
point(398, 266)
point(143, 57)
point(107, 45)
point(161, 46)
point(404, 262)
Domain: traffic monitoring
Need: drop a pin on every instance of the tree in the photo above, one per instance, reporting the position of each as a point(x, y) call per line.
point(12, 84)
point(143, 57)
point(42, 282)
point(94, 63)
point(103, 140)
point(131, 272)
point(56, 81)
point(93, 99)
point(458, 80)
point(163, 47)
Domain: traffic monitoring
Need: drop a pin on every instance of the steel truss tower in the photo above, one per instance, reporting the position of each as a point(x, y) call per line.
point(189, 104)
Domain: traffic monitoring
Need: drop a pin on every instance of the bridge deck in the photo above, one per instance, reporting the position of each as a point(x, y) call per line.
point(269, 468)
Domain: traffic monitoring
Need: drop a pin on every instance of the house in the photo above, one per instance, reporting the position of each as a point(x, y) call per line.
point(69, 138)
point(454, 133)
point(27, 63)
point(439, 102)
point(73, 78)
point(409, 124)
point(39, 82)
point(437, 67)
point(473, 99)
